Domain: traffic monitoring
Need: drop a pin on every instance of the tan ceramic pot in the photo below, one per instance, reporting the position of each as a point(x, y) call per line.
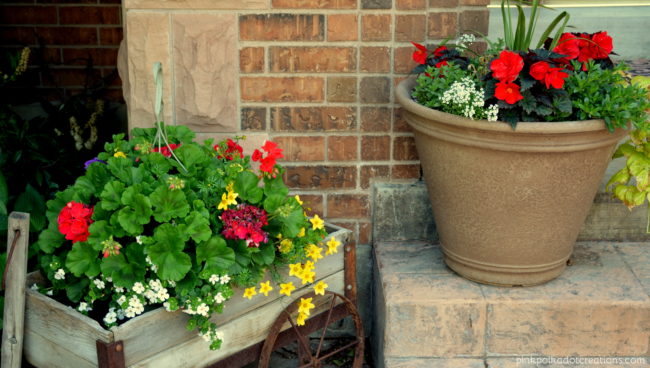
point(508, 204)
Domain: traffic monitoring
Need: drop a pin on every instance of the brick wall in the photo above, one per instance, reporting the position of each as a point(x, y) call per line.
point(316, 76)
point(63, 34)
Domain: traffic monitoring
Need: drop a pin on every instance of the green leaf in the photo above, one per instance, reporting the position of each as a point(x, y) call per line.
point(168, 204)
point(158, 164)
point(83, 259)
point(167, 252)
point(55, 205)
point(273, 202)
point(4, 192)
point(32, 202)
point(217, 255)
point(621, 177)
point(292, 223)
point(255, 195)
point(246, 182)
point(76, 290)
point(129, 221)
point(266, 255)
point(121, 169)
point(123, 273)
point(187, 285)
point(191, 156)
point(111, 195)
point(198, 227)
point(137, 211)
point(275, 186)
point(50, 239)
point(85, 186)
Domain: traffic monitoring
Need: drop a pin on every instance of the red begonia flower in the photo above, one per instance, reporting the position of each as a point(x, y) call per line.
point(506, 68)
point(420, 55)
point(508, 92)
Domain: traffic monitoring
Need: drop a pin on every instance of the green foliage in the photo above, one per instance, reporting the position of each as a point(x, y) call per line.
point(519, 37)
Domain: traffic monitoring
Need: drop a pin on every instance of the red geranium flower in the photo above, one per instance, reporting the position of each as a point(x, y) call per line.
point(164, 150)
point(420, 55)
point(232, 150)
point(508, 92)
point(551, 76)
point(507, 67)
point(272, 154)
point(74, 220)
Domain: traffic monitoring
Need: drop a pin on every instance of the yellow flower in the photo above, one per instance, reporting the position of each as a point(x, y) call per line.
point(319, 288)
point(232, 196)
point(314, 252)
point(297, 197)
point(287, 288)
point(295, 269)
point(265, 287)
point(316, 222)
point(286, 245)
point(249, 292)
point(302, 232)
point(305, 306)
point(229, 186)
point(227, 199)
point(301, 319)
point(332, 244)
point(309, 266)
point(119, 154)
point(307, 276)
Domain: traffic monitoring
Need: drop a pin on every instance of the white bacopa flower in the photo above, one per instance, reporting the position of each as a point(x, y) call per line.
point(99, 283)
point(151, 296)
point(219, 298)
point(224, 279)
point(59, 274)
point(166, 305)
point(111, 317)
point(121, 300)
point(171, 283)
point(49, 293)
point(138, 240)
point(109, 279)
point(205, 336)
point(120, 314)
point(83, 307)
point(218, 335)
point(138, 288)
point(155, 285)
point(119, 289)
point(34, 287)
point(203, 309)
point(214, 279)
point(162, 294)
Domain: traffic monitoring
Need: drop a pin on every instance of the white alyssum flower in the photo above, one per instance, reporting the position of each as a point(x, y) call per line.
point(466, 39)
point(464, 98)
point(224, 279)
point(219, 298)
point(214, 279)
point(138, 288)
point(111, 316)
point(492, 112)
point(99, 283)
point(59, 274)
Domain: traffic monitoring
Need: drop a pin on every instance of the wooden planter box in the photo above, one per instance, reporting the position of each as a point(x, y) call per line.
point(58, 336)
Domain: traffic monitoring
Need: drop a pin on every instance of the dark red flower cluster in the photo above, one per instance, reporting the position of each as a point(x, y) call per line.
point(74, 220)
point(506, 69)
point(543, 71)
point(584, 47)
point(272, 154)
point(233, 150)
point(245, 223)
point(421, 53)
point(165, 150)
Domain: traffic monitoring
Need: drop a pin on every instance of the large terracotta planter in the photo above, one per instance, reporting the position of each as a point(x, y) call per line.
point(508, 204)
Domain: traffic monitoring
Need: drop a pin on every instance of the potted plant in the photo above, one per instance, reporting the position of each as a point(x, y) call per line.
point(514, 142)
point(160, 221)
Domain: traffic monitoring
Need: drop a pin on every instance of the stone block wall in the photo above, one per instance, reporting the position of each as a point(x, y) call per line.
point(64, 34)
point(315, 76)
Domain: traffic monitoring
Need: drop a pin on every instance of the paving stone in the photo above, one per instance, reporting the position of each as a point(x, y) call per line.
point(434, 363)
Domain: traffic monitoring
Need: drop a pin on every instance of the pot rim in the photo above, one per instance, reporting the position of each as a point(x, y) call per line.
point(403, 96)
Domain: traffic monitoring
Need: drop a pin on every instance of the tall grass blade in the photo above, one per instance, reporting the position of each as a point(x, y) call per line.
point(550, 28)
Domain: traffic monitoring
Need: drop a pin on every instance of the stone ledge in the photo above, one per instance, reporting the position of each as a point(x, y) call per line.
point(425, 315)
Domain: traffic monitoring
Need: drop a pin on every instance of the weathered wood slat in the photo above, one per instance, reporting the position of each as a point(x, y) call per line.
point(61, 325)
point(169, 328)
point(14, 307)
point(238, 334)
point(43, 352)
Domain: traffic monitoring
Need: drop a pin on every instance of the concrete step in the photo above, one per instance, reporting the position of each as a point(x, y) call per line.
point(427, 316)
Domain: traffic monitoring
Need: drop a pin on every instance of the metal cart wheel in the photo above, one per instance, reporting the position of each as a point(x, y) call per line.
point(339, 307)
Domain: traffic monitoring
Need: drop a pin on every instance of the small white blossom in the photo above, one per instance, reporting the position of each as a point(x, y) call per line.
point(203, 309)
point(171, 283)
point(138, 240)
point(34, 287)
point(218, 335)
point(49, 293)
point(219, 298)
point(99, 283)
point(162, 294)
point(138, 288)
point(121, 300)
point(214, 279)
point(120, 314)
point(109, 279)
point(205, 336)
point(83, 307)
point(135, 307)
point(151, 296)
point(155, 285)
point(111, 317)
point(224, 279)
point(166, 305)
point(119, 289)
point(466, 39)
point(59, 274)
point(492, 112)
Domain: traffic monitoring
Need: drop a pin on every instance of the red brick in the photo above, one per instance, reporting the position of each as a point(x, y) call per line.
point(46, 55)
point(443, 3)
point(67, 35)
point(348, 225)
point(341, 89)
point(313, 59)
point(89, 15)
point(375, 119)
point(365, 233)
point(399, 122)
point(281, 27)
point(375, 59)
point(374, 90)
point(475, 2)
point(342, 27)
point(368, 173)
point(348, 206)
point(442, 25)
point(315, 4)
point(342, 148)
point(313, 204)
point(321, 177)
point(375, 148)
point(28, 15)
point(375, 27)
point(110, 36)
point(404, 149)
point(100, 57)
point(251, 59)
point(253, 118)
point(403, 62)
point(475, 21)
point(111, 77)
point(406, 172)
point(410, 27)
point(302, 148)
point(71, 77)
point(411, 4)
point(17, 36)
point(314, 119)
point(282, 89)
